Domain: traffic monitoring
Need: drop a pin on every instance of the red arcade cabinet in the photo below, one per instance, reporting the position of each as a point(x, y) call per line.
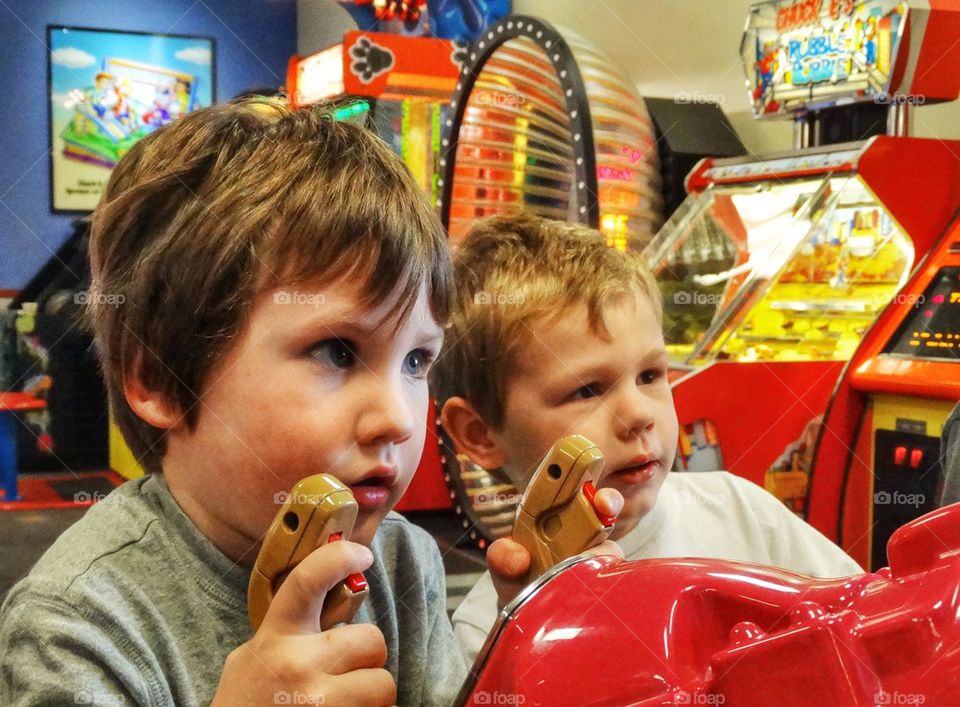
point(775, 268)
point(877, 464)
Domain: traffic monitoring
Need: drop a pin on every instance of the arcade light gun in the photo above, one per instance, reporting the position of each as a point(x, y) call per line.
point(318, 510)
point(557, 518)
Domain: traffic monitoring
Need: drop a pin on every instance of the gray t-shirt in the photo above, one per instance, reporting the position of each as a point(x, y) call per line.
point(134, 606)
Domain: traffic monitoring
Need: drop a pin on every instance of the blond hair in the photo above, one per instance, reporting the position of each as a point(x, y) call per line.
point(511, 271)
point(228, 202)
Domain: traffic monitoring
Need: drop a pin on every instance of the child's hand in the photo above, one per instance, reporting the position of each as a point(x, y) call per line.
point(289, 654)
point(509, 561)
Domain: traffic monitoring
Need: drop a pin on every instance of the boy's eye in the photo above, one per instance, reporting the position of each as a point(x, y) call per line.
point(651, 375)
point(417, 363)
point(335, 352)
point(584, 392)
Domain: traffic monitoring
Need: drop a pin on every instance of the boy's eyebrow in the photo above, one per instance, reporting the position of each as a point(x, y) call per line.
point(591, 371)
point(344, 320)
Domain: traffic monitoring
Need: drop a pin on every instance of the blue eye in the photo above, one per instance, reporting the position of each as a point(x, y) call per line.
point(585, 392)
point(336, 353)
point(652, 375)
point(417, 363)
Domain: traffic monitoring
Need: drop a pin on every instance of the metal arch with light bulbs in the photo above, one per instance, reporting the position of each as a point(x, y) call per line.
point(577, 107)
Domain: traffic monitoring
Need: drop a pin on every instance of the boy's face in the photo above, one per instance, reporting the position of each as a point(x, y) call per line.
point(612, 390)
point(316, 382)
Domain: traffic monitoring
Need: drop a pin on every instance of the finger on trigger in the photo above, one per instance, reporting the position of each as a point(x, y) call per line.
point(296, 607)
point(609, 501)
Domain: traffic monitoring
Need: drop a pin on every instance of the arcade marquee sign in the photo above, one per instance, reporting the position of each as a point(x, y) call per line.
point(803, 54)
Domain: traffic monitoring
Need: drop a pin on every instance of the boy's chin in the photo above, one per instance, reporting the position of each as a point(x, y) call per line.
point(637, 503)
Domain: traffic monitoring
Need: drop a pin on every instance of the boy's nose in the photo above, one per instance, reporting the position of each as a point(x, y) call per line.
point(388, 417)
point(634, 414)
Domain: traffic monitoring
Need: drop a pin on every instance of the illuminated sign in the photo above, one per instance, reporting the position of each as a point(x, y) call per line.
point(815, 53)
point(319, 76)
point(807, 12)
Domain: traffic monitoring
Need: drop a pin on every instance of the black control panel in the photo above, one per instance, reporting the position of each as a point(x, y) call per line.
point(905, 483)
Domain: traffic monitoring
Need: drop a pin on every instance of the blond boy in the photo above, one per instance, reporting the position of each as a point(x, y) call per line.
point(283, 283)
point(566, 337)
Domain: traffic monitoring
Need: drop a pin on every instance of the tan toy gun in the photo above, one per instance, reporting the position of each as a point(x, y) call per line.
point(318, 510)
point(557, 518)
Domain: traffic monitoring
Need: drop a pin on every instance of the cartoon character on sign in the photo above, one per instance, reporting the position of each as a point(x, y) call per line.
point(766, 60)
point(104, 96)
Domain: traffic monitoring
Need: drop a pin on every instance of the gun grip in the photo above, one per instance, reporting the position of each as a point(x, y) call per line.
point(318, 510)
point(556, 518)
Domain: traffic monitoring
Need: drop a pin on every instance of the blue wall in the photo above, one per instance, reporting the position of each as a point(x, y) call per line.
point(254, 39)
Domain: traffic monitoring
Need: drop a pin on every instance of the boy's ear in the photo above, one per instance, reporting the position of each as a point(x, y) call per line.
point(149, 405)
point(471, 434)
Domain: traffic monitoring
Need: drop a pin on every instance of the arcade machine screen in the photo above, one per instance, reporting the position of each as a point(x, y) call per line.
point(707, 248)
point(781, 272)
point(933, 329)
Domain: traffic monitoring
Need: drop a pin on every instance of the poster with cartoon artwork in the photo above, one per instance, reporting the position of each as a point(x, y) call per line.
point(107, 91)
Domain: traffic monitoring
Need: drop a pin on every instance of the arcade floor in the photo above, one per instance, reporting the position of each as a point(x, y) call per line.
point(25, 535)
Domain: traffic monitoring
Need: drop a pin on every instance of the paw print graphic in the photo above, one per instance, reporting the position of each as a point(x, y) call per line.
point(369, 59)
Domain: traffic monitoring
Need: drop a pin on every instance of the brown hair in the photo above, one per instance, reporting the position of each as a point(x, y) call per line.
point(510, 271)
point(228, 202)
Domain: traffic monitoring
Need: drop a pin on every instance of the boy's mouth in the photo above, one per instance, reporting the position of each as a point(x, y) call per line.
point(373, 489)
point(640, 470)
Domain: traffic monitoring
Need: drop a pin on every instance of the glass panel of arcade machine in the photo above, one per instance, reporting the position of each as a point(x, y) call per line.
point(513, 150)
point(821, 285)
point(711, 245)
point(412, 127)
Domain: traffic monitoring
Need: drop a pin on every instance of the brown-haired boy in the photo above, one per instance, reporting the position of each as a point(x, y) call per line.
point(283, 284)
point(553, 333)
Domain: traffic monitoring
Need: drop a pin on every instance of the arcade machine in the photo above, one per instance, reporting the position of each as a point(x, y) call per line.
point(402, 85)
point(543, 122)
point(877, 464)
point(774, 268)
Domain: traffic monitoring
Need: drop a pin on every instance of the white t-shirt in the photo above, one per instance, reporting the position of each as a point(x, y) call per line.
point(697, 514)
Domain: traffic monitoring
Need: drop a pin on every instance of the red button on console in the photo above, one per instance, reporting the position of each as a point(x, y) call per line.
point(590, 491)
point(899, 455)
point(916, 458)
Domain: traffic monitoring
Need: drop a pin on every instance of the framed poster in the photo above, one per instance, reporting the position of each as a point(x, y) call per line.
point(109, 89)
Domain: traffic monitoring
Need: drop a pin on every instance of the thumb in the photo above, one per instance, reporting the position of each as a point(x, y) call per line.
point(608, 502)
point(508, 562)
